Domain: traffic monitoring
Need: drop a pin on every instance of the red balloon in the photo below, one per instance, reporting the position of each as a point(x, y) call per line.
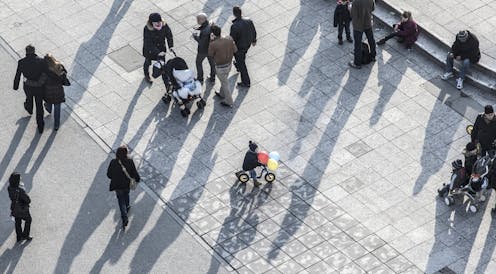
point(263, 157)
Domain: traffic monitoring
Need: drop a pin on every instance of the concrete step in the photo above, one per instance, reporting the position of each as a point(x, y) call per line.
point(480, 75)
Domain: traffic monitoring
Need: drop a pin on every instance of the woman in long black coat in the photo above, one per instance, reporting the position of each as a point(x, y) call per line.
point(155, 33)
point(56, 79)
point(19, 200)
point(120, 170)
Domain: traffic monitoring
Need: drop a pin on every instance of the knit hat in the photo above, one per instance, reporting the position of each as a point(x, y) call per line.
point(462, 36)
point(154, 17)
point(253, 146)
point(14, 179)
point(488, 109)
point(470, 146)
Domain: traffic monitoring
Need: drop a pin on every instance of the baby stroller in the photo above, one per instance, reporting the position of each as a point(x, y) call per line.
point(180, 84)
point(474, 188)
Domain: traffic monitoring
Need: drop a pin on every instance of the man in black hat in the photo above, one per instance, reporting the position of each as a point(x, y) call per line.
point(32, 67)
point(484, 131)
point(466, 50)
point(155, 33)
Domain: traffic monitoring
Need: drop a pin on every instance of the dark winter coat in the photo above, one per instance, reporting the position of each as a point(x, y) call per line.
point(31, 67)
point(154, 40)
point(469, 49)
point(361, 14)
point(342, 15)
point(118, 179)
point(203, 38)
point(409, 32)
point(54, 86)
point(251, 160)
point(470, 158)
point(483, 131)
point(243, 33)
point(24, 199)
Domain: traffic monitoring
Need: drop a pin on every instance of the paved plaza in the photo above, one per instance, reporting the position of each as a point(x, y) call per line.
point(362, 151)
point(444, 18)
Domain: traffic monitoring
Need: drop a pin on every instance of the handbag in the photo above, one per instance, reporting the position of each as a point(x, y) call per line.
point(19, 210)
point(132, 181)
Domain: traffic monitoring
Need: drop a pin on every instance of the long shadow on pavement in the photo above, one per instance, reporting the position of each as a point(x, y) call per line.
point(10, 258)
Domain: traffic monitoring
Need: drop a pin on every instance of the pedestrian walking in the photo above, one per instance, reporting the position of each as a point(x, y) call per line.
point(222, 50)
point(56, 79)
point(155, 33)
point(19, 207)
point(484, 130)
point(466, 50)
point(31, 67)
point(361, 17)
point(123, 177)
point(203, 39)
point(406, 31)
point(342, 20)
point(244, 34)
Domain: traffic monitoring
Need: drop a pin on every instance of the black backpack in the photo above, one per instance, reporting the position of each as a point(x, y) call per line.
point(366, 56)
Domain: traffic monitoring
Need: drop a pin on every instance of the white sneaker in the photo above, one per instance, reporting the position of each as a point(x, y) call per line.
point(447, 75)
point(459, 83)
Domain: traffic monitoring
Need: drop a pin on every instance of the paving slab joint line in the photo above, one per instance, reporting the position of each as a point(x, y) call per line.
point(107, 148)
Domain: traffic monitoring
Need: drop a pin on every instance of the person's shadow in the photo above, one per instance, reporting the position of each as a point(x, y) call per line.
point(11, 256)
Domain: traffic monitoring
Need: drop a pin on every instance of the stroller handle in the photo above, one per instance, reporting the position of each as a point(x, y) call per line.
point(173, 52)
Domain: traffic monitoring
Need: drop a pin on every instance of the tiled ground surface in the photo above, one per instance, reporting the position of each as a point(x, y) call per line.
point(445, 18)
point(363, 151)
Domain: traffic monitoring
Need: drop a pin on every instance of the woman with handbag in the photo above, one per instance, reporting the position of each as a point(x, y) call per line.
point(56, 79)
point(19, 207)
point(123, 177)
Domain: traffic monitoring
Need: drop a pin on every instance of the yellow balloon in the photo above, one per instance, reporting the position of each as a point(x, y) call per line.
point(272, 164)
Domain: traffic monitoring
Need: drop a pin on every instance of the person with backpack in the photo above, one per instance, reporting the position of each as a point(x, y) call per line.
point(19, 207)
point(123, 177)
point(203, 39)
point(361, 17)
point(155, 33)
point(406, 31)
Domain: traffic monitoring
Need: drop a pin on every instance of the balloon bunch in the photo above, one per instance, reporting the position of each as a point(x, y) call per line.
point(271, 160)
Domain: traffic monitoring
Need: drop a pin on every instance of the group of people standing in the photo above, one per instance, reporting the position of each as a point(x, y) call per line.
point(217, 49)
point(465, 49)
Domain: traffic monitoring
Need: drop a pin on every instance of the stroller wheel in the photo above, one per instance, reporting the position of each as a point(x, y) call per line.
point(185, 112)
point(270, 177)
point(473, 208)
point(166, 99)
point(449, 200)
point(243, 177)
point(482, 198)
point(201, 104)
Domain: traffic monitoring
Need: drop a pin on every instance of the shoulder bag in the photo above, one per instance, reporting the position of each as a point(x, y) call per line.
point(132, 181)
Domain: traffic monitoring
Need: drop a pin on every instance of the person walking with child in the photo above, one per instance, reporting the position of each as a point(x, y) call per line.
point(342, 20)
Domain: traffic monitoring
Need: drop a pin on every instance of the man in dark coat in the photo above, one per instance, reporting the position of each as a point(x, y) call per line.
point(32, 67)
point(466, 50)
point(244, 34)
point(155, 33)
point(203, 39)
point(361, 16)
point(484, 131)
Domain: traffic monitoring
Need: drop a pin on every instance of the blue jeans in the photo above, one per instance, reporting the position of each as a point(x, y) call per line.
point(123, 200)
point(56, 113)
point(450, 60)
point(253, 174)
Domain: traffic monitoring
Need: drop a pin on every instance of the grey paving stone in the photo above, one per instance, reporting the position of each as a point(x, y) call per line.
point(290, 267)
point(328, 230)
point(354, 251)
point(351, 268)
point(344, 221)
point(385, 253)
point(359, 148)
point(307, 258)
point(324, 250)
point(294, 248)
point(311, 239)
point(372, 242)
point(383, 269)
point(358, 232)
point(337, 260)
point(368, 262)
point(259, 266)
point(399, 264)
point(315, 220)
point(321, 267)
point(331, 212)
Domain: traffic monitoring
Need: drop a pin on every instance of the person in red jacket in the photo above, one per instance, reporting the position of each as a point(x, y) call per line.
point(406, 31)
